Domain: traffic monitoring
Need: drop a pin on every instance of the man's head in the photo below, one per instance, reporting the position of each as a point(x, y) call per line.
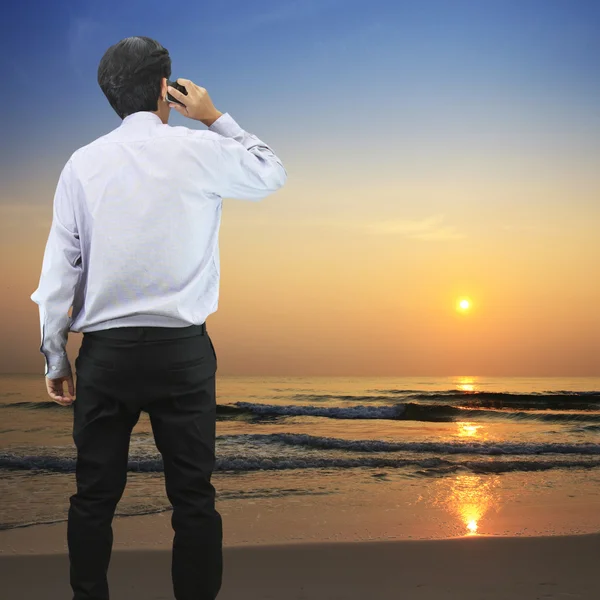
point(133, 76)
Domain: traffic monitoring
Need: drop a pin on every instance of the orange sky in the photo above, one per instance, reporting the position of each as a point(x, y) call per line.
point(321, 279)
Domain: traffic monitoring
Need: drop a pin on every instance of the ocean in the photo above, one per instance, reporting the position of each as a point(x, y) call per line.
point(465, 444)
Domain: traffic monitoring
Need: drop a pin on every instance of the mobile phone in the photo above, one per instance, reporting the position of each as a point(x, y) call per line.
point(178, 87)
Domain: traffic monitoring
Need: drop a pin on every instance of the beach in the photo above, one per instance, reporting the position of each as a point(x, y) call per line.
point(34, 565)
point(344, 550)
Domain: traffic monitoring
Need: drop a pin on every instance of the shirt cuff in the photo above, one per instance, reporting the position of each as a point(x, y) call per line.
point(57, 366)
point(226, 126)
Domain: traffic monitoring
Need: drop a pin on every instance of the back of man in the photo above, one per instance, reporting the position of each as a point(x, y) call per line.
point(133, 248)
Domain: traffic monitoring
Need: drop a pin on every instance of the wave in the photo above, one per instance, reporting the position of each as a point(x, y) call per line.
point(402, 411)
point(567, 394)
point(444, 399)
point(483, 448)
point(561, 399)
point(431, 466)
point(231, 446)
point(585, 428)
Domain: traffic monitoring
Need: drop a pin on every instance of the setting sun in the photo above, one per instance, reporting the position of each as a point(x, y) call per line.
point(463, 304)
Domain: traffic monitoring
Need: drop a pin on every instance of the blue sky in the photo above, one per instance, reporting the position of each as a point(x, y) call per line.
point(326, 70)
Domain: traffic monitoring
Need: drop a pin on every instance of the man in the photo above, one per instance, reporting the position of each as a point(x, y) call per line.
point(133, 249)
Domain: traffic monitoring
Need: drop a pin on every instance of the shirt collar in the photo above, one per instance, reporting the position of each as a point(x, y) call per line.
point(141, 116)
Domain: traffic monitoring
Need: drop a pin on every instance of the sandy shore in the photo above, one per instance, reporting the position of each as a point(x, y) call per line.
point(471, 568)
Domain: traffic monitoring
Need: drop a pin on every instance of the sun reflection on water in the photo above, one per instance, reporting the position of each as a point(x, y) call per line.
point(469, 498)
point(467, 430)
point(466, 384)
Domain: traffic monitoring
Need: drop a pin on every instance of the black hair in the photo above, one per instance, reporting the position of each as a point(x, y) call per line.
point(130, 74)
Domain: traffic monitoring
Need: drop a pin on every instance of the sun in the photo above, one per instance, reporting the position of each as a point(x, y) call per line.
point(463, 304)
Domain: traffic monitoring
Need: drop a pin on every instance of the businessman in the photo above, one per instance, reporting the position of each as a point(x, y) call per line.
point(133, 250)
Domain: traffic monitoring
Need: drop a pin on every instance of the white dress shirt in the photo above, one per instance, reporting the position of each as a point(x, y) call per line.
point(134, 235)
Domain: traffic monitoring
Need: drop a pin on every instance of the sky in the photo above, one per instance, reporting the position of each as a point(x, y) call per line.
point(436, 151)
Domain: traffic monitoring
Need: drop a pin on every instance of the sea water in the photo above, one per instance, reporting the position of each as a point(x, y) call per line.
point(465, 445)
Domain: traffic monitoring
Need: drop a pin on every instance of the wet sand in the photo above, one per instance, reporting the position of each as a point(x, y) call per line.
point(34, 564)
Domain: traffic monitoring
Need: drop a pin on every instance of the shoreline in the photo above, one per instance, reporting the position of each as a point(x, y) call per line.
point(476, 568)
point(447, 509)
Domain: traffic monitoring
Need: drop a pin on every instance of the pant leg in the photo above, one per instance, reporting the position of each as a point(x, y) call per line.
point(101, 432)
point(184, 424)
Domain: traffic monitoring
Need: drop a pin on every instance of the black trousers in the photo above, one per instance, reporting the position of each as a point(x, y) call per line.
point(170, 374)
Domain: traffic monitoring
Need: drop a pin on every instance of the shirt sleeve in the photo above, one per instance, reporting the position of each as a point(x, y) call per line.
point(248, 168)
point(61, 269)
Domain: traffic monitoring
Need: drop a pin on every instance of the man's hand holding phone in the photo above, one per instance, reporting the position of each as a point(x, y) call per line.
point(196, 104)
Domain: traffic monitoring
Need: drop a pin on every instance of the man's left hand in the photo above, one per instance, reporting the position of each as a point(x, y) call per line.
point(55, 390)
